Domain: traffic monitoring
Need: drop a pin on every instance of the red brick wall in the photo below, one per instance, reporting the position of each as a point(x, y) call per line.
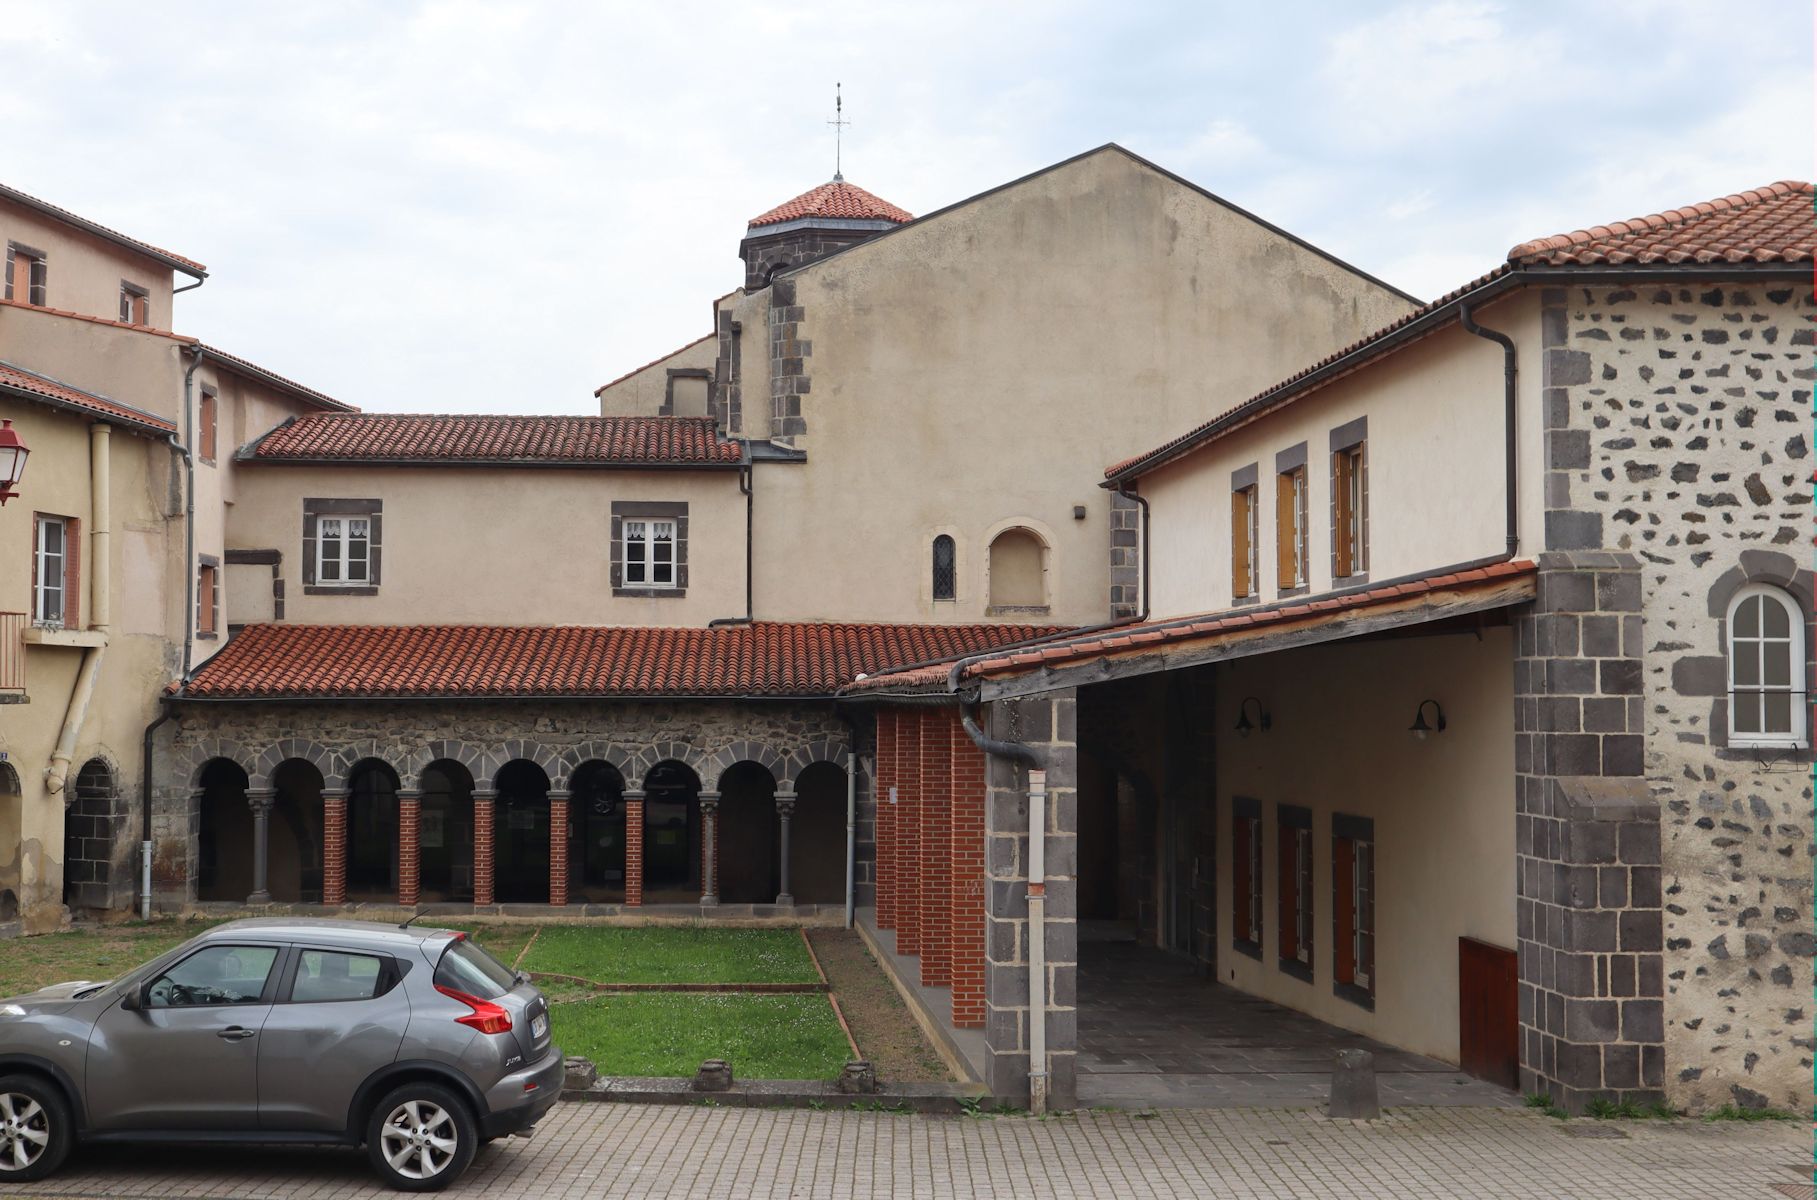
point(885, 831)
point(634, 851)
point(908, 833)
point(483, 808)
point(558, 849)
point(334, 849)
point(409, 848)
point(936, 841)
point(967, 859)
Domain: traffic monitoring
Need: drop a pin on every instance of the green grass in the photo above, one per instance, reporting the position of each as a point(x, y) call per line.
point(29, 963)
point(671, 954)
point(669, 1033)
point(505, 942)
point(1734, 1112)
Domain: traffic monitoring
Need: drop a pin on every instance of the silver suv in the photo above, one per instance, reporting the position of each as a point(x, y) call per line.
point(416, 1043)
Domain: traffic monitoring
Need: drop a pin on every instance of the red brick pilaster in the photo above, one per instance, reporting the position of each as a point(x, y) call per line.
point(885, 823)
point(558, 846)
point(634, 847)
point(908, 833)
point(485, 802)
point(334, 848)
point(967, 916)
point(936, 841)
point(409, 847)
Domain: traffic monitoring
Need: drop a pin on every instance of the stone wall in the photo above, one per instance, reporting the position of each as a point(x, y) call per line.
point(789, 353)
point(1125, 556)
point(1685, 414)
point(559, 736)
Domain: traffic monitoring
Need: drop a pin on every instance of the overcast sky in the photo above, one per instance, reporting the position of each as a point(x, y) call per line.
point(497, 207)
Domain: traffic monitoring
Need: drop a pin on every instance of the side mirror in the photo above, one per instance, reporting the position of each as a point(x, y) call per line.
point(135, 1000)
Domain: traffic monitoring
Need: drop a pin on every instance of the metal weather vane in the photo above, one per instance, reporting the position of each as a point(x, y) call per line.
point(838, 123)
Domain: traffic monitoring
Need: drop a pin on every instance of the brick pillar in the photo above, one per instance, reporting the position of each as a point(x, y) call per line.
point(1591, 991)
point(485, 805)
point(709, 849)
point(886, 817)
point(1049, 723)
point(334, 848)
point(634, 846)
point(967, 916)
point(409, 846)
point(908, 833)
point(936, 845)
point(558, 846)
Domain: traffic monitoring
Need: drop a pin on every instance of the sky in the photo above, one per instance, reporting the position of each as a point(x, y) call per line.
point(492, 207)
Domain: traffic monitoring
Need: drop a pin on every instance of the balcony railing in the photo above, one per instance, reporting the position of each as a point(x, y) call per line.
point(12, 651)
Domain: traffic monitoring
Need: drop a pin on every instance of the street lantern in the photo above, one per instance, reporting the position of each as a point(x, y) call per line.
point(13, 453)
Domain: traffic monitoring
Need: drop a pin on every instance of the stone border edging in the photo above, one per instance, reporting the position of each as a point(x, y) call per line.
point(934, 1098)
point(773, 989)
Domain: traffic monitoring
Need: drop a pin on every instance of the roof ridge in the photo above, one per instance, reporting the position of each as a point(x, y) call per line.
point(1660, 220)
point(447, 416)
point(812, 203)
point(660, 357)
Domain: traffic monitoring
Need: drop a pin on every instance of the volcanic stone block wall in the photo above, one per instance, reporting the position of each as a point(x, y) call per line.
point(1688, 410)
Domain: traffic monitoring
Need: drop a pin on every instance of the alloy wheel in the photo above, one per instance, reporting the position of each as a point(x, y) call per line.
point(24, 1131)
point(419, 1139)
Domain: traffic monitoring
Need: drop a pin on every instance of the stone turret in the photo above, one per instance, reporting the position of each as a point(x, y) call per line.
point(812, 225)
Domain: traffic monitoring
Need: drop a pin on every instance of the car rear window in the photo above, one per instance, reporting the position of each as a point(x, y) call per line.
point(468, 968)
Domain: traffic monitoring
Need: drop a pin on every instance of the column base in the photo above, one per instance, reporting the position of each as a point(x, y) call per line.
point(785, 901)
point(259, 898)
point(710, 900)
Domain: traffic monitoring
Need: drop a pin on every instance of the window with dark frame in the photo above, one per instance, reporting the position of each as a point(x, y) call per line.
point(341, 545)
point(1353, 908)
point(206, 412)
point(649, 548)
point(946, 573)
point(1243, 519)
point(208, 597)
point(1290, 529)
point(135, 304)
point(27, 274)
point(1350, 511)
point(1246, 876)
point(1294, 882)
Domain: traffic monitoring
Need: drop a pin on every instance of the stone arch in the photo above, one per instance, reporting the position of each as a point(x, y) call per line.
point(92, 827)
point(468, 755)
point(1018, 567)
point(324, 760)
point(546, 757)
point(618, 757)
point(761, 753)
point(826, 750)
point(208, 749)
point(685, 753)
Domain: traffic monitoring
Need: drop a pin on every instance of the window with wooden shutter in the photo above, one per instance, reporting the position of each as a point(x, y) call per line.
point(205, 424)
point(27, 274)
point(1243, 518)
point(1246, 877)
point(1290, 529)
point(1350, 512)
point(135, 304)
point(1294, 881)
point(208, 599)
point(1353, 908)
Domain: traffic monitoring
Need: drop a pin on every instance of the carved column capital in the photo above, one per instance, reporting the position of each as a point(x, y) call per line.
point(261, 799)
point(709, 801)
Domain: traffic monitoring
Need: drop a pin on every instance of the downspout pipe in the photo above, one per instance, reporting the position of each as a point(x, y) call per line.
point(56, 775)
point(1124, 490)
point(189, 513)
point(1510, 411)
point(145, 778)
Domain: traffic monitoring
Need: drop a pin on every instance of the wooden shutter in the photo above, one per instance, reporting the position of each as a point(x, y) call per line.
point(1343, 887)
point(72, 573)
point(1360, 464)
point(1283, 531)
point(206, 418)
point(1239, 543)
point(1288, 875)
point(1340, 521)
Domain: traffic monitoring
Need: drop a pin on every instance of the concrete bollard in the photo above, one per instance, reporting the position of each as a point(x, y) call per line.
point(715, 1075)
point(1353, 1094)
point(582, 1074)
point(858, 1079)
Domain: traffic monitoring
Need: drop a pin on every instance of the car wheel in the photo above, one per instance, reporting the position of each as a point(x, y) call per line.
point(34, 1128)
point(420, 1137)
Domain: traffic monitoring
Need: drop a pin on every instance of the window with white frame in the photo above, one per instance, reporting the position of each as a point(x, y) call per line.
point(343, 551)
point(649, 548)
point(1767, 703)
point(650, 552)
point(50, 570)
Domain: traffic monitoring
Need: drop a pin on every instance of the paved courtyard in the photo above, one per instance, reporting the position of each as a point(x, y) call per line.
point(1153, 1032)
point(607, 1150)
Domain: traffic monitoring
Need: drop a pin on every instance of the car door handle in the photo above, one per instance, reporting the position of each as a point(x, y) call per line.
point(234, 1033)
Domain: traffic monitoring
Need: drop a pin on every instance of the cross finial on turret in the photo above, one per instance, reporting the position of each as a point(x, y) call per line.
point(838, 123)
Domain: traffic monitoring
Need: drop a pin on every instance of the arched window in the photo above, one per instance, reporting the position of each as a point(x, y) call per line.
point(1766, 668)
point(1018, 568)
point(945, 568)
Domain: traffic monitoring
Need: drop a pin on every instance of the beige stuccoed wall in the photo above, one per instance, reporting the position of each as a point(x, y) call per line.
point(84, 272)
point(985, 365)
point(505, 546)
point(134, 366)
point(1443, 811)
point(641, 393)
point(1435, 460)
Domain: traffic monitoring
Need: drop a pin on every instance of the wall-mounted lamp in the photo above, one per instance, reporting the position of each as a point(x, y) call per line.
point(13, 453)
point(1262, 722)
point(1419, 728)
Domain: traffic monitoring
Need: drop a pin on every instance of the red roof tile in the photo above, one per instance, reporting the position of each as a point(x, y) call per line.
point(1062, 648)
point(1772, 224)
point(458, 438)
point(837, 200)
point(188, 266)
point(17, 379)
point(279, 661)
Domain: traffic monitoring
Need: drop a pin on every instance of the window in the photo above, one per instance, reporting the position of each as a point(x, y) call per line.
point(54, 573)
point(1294, 852)
point(343, 550)
point(26, 274)
point(341, 546)
point(208, 596)
point(1350, 512)
point(1018, 571)
point(214, 975)
point(469, 967)
point(205, 425)
point(1290, 529)
point(135, 304)
point(1767, 702)
point(649, 548)
point(1246, 876)
point(325, 976)
point(1243, 518)
point(1353, 908)
point(946, 573)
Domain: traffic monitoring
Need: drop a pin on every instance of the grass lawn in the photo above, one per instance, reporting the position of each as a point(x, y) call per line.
point(29, 963)
point(671, 954)
point(670, 1033)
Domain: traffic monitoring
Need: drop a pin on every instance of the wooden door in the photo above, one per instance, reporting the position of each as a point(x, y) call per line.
point(1488, 1019)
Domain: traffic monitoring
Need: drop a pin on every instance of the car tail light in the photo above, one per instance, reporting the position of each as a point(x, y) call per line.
point(486, 1016)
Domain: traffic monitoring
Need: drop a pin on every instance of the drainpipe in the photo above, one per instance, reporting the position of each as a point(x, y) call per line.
point(1509, 408)
point(747, 486)
point(145, 816)
point(189, 514)
point(56, 775)
point(1124, 491)
point(851, 838)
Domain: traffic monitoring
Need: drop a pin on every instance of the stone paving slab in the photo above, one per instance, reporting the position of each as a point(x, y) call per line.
point(641, 1152)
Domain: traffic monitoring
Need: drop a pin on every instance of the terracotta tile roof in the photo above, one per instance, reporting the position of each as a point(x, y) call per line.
point(302, 392)
point(659, 358)
point(18, 379)
point(1767, 224)
point(1063, 649)
point(458, 438)
point(837, 200)
point(278, 661)
point(1772, 224)
point(188, 266)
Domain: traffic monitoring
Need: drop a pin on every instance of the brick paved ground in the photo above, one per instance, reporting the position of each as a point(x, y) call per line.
point(605, 1150)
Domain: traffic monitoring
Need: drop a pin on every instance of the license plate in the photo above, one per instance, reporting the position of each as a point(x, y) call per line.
point(539, 1027)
